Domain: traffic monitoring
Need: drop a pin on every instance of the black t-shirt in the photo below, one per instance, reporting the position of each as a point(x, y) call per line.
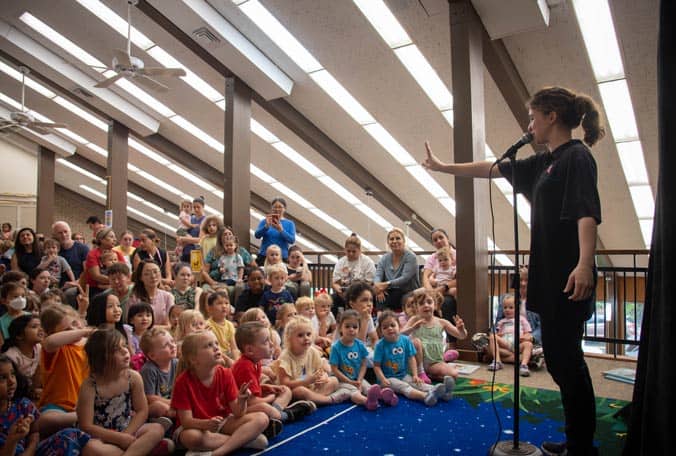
point(248, 300)
point(160, 258)
point(561, 188)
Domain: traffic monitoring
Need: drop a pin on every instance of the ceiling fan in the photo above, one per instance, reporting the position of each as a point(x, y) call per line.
point(24, 118)
point(130, 67)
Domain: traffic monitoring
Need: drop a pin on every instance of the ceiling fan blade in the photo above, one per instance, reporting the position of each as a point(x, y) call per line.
point(37, 129)
point(108, 82)
point(157, 71)
point(150, 83)
point(122, 57)
point(49, 125)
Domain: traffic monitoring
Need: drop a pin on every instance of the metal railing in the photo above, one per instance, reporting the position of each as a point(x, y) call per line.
point(613, 329)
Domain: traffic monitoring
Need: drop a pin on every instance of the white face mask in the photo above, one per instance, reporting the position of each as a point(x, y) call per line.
point(18, 303)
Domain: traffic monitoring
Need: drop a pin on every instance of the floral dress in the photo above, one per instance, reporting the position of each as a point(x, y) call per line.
point(113, 412)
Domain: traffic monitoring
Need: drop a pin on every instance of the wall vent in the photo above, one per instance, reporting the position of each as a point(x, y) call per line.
point(206, 35)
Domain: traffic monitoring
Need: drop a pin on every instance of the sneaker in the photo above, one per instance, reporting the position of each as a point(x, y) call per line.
point(164, 421)
point(494, 366)
point(523, 371)
point(554, 448)
point(259, 443)
point(165, 447)
point(449, 386)
point(372, 397)
point(341, 395)
point(423, 376)
point(434, 394)
point(451, 355)
point(298, 410)
point(388, 397)
point(274, 428)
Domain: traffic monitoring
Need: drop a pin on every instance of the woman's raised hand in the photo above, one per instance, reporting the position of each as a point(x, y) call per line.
point(431, 161)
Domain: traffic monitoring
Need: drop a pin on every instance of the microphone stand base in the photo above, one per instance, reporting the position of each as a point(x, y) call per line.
point(506, 447)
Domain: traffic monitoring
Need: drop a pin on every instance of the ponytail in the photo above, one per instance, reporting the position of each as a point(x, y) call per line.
point(591, 121)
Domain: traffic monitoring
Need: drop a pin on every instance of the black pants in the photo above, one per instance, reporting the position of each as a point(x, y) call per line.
point(562, 329)
point(449, 309)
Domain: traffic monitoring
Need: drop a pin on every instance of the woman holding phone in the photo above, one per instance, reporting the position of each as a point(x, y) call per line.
point(275, 229)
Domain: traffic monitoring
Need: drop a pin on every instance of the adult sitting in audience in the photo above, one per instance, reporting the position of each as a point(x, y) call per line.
point(126, 247)
point(149, 251)
point(7, 233)
point(119, 276)
point(27, 254)
point(353, 266)
point(396, 274)
point(213, 266)
point(185, 293)
point(147, 279)
point(105, 240)
point(79, 237)
point(40, 279)
point(275, 229)
point(193, 236)
point(449, 308)
point(75, 253)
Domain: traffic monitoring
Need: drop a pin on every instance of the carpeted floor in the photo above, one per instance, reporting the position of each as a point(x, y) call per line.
point(465, 425)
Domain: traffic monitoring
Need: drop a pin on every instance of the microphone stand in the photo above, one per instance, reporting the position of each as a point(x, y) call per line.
point(514, 447)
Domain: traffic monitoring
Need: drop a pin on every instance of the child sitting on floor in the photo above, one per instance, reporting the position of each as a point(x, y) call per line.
point(504, 339)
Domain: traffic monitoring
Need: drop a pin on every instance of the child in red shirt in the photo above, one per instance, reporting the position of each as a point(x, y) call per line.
point(253, 341)
point(209, 408)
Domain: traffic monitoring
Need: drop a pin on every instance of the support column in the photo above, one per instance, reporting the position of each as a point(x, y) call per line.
point(237, 158)
point(45, 200)
point(117, 175)
point(469, 145)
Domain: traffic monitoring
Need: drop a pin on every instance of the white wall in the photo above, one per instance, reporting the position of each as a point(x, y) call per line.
point(18, 185)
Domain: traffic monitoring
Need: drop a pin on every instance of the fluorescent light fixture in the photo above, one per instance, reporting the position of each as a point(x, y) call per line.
point(646, 230)
point(148, 152)
point(98, 123)
point(221, 104)
point(524, 207)
point(262, 175)
point(218, 193)
point(143, 96)
point(259, 130)
point(503, 259)
point(255, 214)
point(428, 183)
point(133, 168)
point(385, 139)
point(119, 24)
point(241, 44)
point(340, 95)
point(448, 115)
point(413, 245)
point(373, 215)
point(504, 186)
point(619, 109)
point(61, 41)
point(309, 244)
point(191, 177)
point(96, 148)
point(10, 101)
point(134, 196)
point(269, 24)
point(633, 163)
point(82, 171)
point(159, 182)
point(14, 74)
point(326, 218)
point(92, 191)
point(426, 77)
point(297, 158)
point(368, 245)
point(598, 33)
point(449, 204)
point(152, 219)
point(75, 137)
point(644, 204)
point(295, 197)
point(212, 211)
point(200, 85)
point(198, 133)
point(382, 19)
point(339, 189)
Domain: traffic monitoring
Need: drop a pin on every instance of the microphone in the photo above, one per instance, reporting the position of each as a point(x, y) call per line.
point(525, 139)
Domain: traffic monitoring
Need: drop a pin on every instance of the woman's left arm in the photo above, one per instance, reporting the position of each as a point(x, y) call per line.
point(139, 403)
point(581, 279)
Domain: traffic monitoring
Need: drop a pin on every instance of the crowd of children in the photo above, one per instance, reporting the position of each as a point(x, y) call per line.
point(111, 379)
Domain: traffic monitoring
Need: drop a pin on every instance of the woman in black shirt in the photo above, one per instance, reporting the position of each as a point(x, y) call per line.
point(565, 211)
